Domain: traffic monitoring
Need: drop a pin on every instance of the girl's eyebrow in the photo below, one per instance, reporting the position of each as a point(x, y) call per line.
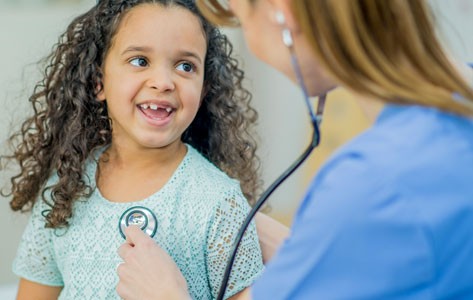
point(190, 54)
point(136, 49)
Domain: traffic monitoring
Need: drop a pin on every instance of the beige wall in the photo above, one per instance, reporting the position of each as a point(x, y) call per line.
point(27, 33)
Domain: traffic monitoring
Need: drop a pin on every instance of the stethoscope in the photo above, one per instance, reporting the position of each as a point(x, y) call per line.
point(139, 216)
point(316, 119)
point(146, 220)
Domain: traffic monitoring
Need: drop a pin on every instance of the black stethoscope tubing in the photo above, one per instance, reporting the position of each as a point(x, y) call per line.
point(315, 120)
point(313, 144)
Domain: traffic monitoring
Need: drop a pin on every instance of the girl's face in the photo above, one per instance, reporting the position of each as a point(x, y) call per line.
point(153, 75)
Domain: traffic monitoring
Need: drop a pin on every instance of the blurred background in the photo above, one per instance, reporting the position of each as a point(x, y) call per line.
point(29, 28)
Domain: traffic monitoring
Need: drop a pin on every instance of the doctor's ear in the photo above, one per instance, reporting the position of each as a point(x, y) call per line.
point(283, 16)
point(285, 31)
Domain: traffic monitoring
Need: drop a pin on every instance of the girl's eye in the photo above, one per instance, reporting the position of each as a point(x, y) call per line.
point(186, 67)
point(139, 62)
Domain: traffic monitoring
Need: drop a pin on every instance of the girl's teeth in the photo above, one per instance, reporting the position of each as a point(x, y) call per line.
point(154, 107)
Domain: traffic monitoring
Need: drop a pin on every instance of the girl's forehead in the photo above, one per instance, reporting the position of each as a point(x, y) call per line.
point(149, 16)
point(155, 24)
point(157, 11)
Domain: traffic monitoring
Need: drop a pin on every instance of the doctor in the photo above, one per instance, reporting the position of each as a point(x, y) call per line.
point(390, 215)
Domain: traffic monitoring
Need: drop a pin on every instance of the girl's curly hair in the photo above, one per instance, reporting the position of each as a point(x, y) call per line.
point(69, 123)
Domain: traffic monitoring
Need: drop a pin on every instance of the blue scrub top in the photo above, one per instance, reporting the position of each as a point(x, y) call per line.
point(390, 216)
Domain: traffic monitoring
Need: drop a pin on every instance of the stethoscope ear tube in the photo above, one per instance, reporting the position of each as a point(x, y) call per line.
point(313, 144)
point(316, 119)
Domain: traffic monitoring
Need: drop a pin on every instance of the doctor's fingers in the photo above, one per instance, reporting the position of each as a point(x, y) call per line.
point(135, 236)
point(124, 250)
point(128, 288)
point(123, 288)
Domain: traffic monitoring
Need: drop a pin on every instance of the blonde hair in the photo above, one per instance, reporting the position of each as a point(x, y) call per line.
point(387, 49)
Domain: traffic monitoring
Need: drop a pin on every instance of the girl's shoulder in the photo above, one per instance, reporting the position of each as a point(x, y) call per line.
point(197, 178)
point(201, 169)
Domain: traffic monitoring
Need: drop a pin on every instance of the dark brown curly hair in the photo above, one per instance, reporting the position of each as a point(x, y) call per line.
point(69, 123)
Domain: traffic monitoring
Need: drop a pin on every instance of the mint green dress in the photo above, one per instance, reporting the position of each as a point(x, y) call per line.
point(198, 211)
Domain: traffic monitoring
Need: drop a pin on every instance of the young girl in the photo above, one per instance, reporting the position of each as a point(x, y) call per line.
point(140, 107)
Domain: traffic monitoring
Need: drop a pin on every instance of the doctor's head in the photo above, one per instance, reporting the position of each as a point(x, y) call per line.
point(382, 49)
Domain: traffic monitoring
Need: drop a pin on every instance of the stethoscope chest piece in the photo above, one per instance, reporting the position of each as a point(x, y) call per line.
point(139, 216)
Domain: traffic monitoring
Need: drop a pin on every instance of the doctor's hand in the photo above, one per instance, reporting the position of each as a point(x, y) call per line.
point(148, 272)
point(271, 234)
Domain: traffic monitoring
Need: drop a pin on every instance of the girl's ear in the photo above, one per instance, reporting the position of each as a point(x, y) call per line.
point(204, 92)
point(100, 92)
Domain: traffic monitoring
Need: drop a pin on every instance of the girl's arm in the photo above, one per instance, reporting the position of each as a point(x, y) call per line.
point(271, 235)
point(243, 295)
point(29, 290)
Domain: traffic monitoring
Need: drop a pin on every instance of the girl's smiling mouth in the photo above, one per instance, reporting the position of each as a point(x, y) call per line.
point(155, 111)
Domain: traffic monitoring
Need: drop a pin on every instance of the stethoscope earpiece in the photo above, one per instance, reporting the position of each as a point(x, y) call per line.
point(286, 33)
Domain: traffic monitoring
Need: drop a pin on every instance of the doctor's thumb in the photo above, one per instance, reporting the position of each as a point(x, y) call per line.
point(135, 236)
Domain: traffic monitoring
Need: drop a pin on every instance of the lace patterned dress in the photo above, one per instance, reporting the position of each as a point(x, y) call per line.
point(198, 212)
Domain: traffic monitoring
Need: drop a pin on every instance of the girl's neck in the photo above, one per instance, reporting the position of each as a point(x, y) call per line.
point(125, 156)
point(128, 174)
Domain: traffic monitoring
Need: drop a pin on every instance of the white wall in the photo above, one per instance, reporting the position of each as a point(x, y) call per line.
point(455, 18)
point(27, 34)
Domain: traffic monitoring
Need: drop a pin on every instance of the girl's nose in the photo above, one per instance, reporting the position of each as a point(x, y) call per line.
point(161, 80)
